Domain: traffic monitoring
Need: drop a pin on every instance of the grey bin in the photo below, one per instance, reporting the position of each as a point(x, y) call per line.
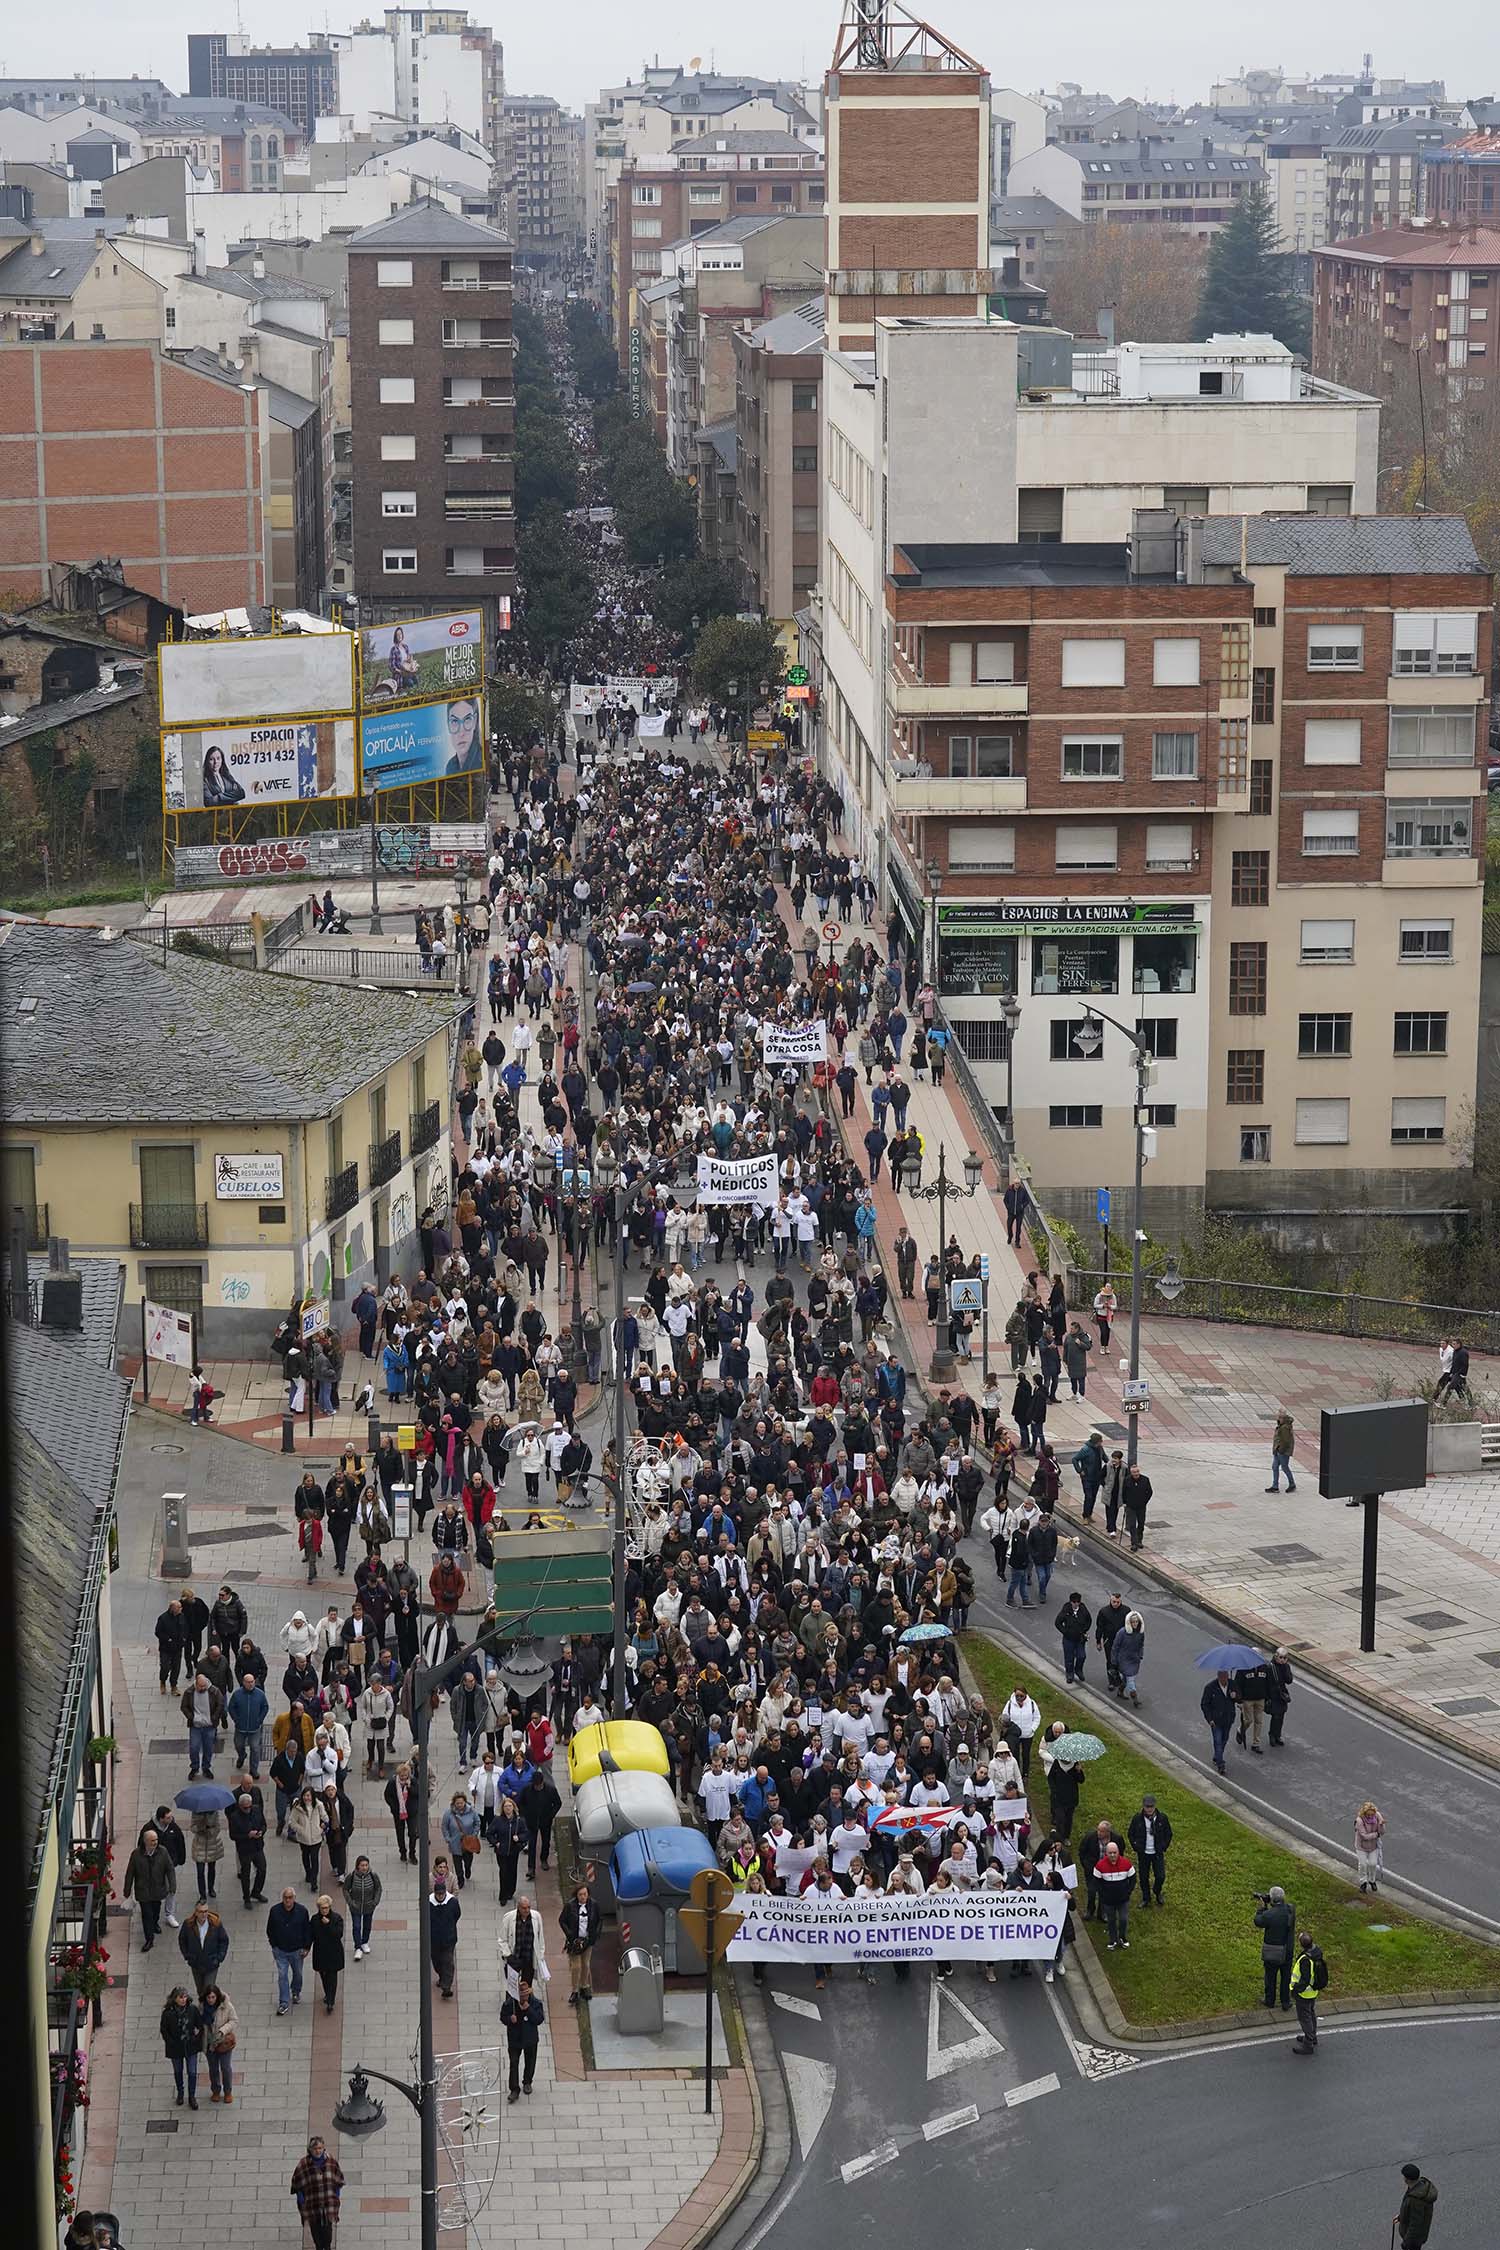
point(640, 2009)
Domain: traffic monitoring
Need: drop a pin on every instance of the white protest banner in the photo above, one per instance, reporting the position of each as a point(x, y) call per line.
point(657, 688)
point(739, 1179)
point(169, 1335)
point(651, 726)
point(943, 1926)
point(795, 1042)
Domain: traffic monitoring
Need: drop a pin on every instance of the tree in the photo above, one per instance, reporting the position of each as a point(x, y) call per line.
point(519, 710)
point(1150, 277)
point(696, 588)
point(546, 465)
point(1247, 288)
point(731, 661)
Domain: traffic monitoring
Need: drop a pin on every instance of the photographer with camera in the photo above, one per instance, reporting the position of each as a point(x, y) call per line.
point(1276, 1920)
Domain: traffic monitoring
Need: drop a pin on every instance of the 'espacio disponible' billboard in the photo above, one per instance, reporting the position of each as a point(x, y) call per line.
point(425, 742)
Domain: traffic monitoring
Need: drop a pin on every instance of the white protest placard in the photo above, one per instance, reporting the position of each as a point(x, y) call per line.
point(739, 1179)
point(942, 1926)
point(651, 725)
point(169, 1335)
point(795, 1042)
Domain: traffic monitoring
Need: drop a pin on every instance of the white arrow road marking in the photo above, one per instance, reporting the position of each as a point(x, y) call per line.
point(810, 2085)
point(954, 2122)
point(941, 2060)
point(796, 2007)
point(1015, 2095)
point(857, 2166)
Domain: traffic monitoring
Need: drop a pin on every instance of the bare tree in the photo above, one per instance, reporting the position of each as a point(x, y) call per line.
point(1151, 277)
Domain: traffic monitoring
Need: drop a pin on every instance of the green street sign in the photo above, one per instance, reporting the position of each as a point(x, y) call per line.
point(796, 675)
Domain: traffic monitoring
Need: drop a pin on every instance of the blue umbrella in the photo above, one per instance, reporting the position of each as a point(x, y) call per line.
point(1231, 1656)
point(927, 1633)
point(204, 1796)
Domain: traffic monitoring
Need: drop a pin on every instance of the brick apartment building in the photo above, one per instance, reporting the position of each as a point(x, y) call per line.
point(1461, 183)
point(1233, 772)
point(116, 449)
point(1376, 297)
point(778, 473)
point(433, 415)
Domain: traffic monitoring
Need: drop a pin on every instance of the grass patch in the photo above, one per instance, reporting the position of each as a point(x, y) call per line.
point(1201, 1956)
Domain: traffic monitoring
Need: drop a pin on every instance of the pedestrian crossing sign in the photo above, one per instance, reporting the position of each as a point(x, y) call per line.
point(966, 1295)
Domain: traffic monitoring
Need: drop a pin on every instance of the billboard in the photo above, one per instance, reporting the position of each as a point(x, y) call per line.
point(422, 658)
point(273, 764)
point(295, 676)
point(423, 742)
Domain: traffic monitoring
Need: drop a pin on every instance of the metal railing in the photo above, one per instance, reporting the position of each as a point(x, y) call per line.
point(998, 1141)
point(284, 934)
point(169, 1226)
point(385, 1159)
point(1341, 1312)
point(342, 1193)
point(235, 940)
point(366, 964)
point(424, 1127)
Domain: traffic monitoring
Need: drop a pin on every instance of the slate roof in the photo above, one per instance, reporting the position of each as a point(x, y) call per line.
point(71, 1407)
point(103, 1297)
point(53, 273)
point(239, 281)
point(427, 226)
point(1343, 546)
point(1037, 212)
point(1421, 246)
point(43, 717)
point(121, 1036)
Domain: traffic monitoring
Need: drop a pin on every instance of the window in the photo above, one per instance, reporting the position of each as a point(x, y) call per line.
point(1250, 879)
point(1418, 1117)
point(1331, 742)
point(1039, 514)
point(1255, 1144)
point(398, 449)
point(1073, 1117)
point(171, 312)
point(645, 230)
point(994, 662)
point(393, 273)
point(1081, 845)
point(398, 332)
point(1327, 941)
point(804, 398)
point(1234, 662)
point(1086, 758)
point(1165, 964)
point(1187, 499)
point(644, 197)
point(1330, 835)
point(1174, 757)
point(1161, 1113)
point(1442, 641)
point(1432, 738)
point(1266, 618)
point(1175, 663)
point(1426, 941)
point(1260, 785)
point(398, 503)
point(1421, 1031)
point(988, 756)
point(1263, 695)
point(982, 1038)
point(1093, 664)
point(1322, 1124)
point(1169, 843)
point(705, 195)
point(981, 844)
point(399, 562)
point(1075, 964)
point(1064, 1045)
point(1321, 1035)
point(1430, 831)
point(744, 195)
point(1159, 1035)
point(1247, 977)
point(398, 390)
point(1245, 1076)
point(1335, 648)
point(804, 457)
point(18, 1177)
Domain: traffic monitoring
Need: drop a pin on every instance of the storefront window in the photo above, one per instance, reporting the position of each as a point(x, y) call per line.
point(1166, 964)
point(1075, 964)
point(976, 963)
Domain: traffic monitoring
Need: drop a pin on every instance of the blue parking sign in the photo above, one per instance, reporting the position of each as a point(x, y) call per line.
point(1103, 1207)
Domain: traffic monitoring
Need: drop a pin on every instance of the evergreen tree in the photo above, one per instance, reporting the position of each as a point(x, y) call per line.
point(1247, 289)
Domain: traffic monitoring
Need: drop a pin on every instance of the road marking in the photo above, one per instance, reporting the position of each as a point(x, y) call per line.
point(954, 2122)
point(941, 2060)
point(1015, 2095)
point(1445, 2019)
point(796, 2007)
point(810, 2085)
point(857, 2166)
point(1066, 2029)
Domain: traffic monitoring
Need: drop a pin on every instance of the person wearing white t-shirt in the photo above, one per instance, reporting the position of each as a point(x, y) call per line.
point(1022, 1713)
point(845, 1843)
point(929, 1791)
point(716, 1793)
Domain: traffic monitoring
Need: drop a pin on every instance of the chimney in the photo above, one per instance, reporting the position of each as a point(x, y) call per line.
point(1208, 146)
point(200, 255)
point(258, 268)
point(1105, 323)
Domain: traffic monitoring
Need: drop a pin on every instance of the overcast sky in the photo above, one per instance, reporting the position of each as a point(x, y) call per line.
point(572, 48)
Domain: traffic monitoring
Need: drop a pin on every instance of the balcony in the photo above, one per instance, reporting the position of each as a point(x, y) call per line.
point(475, 335)
point(385, 1159)
point(424, 1127)
point(470, 284)
point(342, 1193)
point(169, 1226)
point(459, 507)
point(1420, 690)
point(478, 472)
point(918, 795)
point(924, 699)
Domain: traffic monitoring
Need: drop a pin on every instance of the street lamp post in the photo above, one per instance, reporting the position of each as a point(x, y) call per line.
point(943, 1363)
point(1088, 1039)
point(934, 885)
point(377, 927)
point(461, 885)
point(1010, 1009)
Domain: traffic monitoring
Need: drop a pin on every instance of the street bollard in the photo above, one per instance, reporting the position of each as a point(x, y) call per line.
point(288, 1439)
point(372, 1434)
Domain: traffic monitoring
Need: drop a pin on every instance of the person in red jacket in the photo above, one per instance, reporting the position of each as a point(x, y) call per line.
point(479, 1502)
point(1114, 1880)
point(447, 1584)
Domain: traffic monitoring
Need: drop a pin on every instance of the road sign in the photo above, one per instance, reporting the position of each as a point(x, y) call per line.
point(1102, 1208)
point(1135, 1393)
point(984, 1265)
point(764, 738)
point(966, 1296)
point(832, 930)
point(796, 675)
point(695, 1923)
point(711, 1891)
point(406, 1437)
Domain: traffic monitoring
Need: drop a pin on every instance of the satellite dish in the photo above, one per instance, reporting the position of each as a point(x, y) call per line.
point(695, 62)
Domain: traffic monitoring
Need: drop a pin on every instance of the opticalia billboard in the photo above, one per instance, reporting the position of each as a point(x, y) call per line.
point(204, 768)
point(422, 658)
point(423, 742)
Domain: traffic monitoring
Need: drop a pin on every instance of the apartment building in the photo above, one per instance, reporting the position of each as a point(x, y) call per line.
point(544, 175)
point(1373, 175)
point(241, 144)
point(301, 82)
point(778, 472)
point(748, 269)
point(1038, 230)
point(432, 407)
point(1232, 770)
point(1461, 183)
point(1190, 183)
point(691, 191)
point(1376, 298)
point(1297, 183)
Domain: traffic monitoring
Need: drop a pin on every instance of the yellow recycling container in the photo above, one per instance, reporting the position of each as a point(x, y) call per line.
point(629, 1745)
